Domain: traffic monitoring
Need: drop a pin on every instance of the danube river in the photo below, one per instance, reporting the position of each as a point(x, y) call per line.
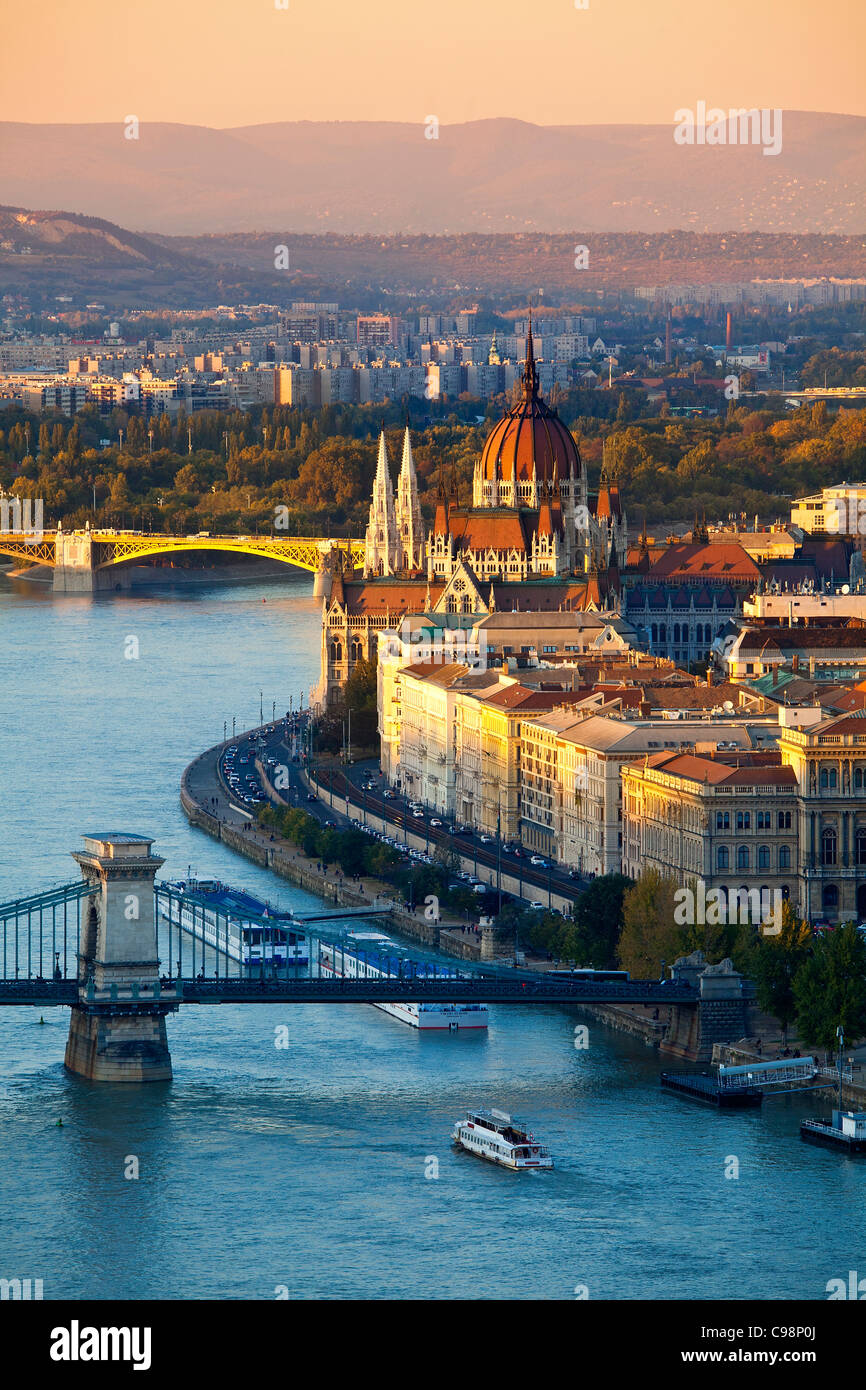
point(264, 1170)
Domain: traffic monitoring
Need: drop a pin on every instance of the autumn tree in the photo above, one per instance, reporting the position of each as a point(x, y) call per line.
point(650, 934)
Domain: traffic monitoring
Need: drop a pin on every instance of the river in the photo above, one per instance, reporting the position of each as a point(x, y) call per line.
point(310, 1170)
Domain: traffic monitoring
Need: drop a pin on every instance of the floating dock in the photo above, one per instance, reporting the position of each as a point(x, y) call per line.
point(846, 1131)
point(700, 1086)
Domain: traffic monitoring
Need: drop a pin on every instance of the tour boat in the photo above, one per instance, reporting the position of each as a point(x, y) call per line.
point(493, 1135)
point(369, 955)
point(245, 928)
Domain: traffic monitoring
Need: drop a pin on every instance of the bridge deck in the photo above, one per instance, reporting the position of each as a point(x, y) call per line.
point(469, 989)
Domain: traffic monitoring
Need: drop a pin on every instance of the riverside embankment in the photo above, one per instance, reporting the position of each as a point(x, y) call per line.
point(206, 805)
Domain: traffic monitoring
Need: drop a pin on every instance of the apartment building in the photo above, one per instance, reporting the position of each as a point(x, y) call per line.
point(726, 820)
point(570, 764)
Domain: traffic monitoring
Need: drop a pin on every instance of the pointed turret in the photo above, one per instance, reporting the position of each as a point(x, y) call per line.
point(382, 541)
point(530, 371)
point(408, 511)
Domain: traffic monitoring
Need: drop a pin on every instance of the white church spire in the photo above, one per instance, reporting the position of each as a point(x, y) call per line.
point(382, 540)
point(408, 511)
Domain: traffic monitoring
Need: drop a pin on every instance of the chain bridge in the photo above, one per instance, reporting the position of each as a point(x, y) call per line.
point(123, 950)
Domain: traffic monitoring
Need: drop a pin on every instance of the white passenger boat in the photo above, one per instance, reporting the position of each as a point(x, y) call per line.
point(371, 955)
point(245, 928)
point(493, 1135)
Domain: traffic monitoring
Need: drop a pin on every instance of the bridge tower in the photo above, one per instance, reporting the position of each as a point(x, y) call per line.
point(117, 1029)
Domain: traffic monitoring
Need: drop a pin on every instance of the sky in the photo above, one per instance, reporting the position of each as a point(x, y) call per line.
point(242, 62)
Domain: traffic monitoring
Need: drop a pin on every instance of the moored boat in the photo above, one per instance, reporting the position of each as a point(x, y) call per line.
point(494, 1135)
point(846, 1130)
point(244, 928)
point(372, 955)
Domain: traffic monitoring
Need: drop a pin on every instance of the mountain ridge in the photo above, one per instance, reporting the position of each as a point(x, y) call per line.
point(495, 175)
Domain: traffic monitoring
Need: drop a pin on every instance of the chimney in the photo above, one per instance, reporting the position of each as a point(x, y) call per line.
point(729, 331)
point(668, 338)
point(709, 678)
point(795, 662)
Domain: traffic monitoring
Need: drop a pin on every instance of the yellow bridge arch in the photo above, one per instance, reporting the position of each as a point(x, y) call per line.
point(110, 548)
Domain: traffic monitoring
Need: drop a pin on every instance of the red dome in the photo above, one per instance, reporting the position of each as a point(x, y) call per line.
point(530, 437)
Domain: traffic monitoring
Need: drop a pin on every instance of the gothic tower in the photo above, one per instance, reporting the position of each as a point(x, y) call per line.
point(381, 548)
point(410, 528)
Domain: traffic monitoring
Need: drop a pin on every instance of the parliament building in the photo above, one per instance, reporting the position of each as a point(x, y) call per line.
point(532, 540)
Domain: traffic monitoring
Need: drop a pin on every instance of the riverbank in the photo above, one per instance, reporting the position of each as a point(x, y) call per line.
point(288, 861)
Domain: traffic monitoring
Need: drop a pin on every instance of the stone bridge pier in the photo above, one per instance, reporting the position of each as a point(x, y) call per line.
point(720, 1015)
point(74, 568)
point(117, 1029)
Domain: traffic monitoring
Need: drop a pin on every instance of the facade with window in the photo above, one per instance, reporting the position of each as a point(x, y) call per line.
point(828, 759)
point(726, 820)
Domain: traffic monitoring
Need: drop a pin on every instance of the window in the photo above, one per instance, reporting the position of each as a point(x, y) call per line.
point(784, 857)
point(744, 820)
point(861, 846)
point(336, 651)
point(723, 820)
point(743, 857)
point(834, 779)
point(784, 820)
point(828, 847)
point(722, 857)
point(823, 780)
point(830, 895)
point(764, 857)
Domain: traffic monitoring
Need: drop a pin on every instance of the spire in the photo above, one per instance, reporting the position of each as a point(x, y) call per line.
point(382, 540)
point(530, 372)
point(491, 599)
point(383, 475)
point(410, 530)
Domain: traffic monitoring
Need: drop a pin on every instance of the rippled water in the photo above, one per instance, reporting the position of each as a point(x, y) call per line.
point(305, 1167)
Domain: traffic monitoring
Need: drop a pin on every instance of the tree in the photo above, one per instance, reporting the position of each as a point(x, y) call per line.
point(830, 989)
point(598, 923)
point(773, 964)
point(650, 934)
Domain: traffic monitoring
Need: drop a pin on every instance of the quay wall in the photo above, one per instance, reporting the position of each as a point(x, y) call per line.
point(303, 873)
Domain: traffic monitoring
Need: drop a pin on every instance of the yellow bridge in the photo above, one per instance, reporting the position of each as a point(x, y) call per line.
point(84, 560)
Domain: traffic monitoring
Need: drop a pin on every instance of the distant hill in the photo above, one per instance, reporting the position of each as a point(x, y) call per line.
point(72, 236)
point(484, 176)
point(48, 254)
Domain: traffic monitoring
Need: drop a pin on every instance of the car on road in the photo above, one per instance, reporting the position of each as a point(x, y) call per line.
point(537, 907)
point(330, 824)
point(435, 822)
point(389, 795)
point(418, 815)
point(538, 861)
point(311, 796)
point(486, 839)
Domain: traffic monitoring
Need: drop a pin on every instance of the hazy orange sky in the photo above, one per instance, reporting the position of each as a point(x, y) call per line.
point(239, 62)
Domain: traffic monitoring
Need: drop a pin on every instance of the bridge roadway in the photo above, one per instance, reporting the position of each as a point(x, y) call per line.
point(512, 987)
